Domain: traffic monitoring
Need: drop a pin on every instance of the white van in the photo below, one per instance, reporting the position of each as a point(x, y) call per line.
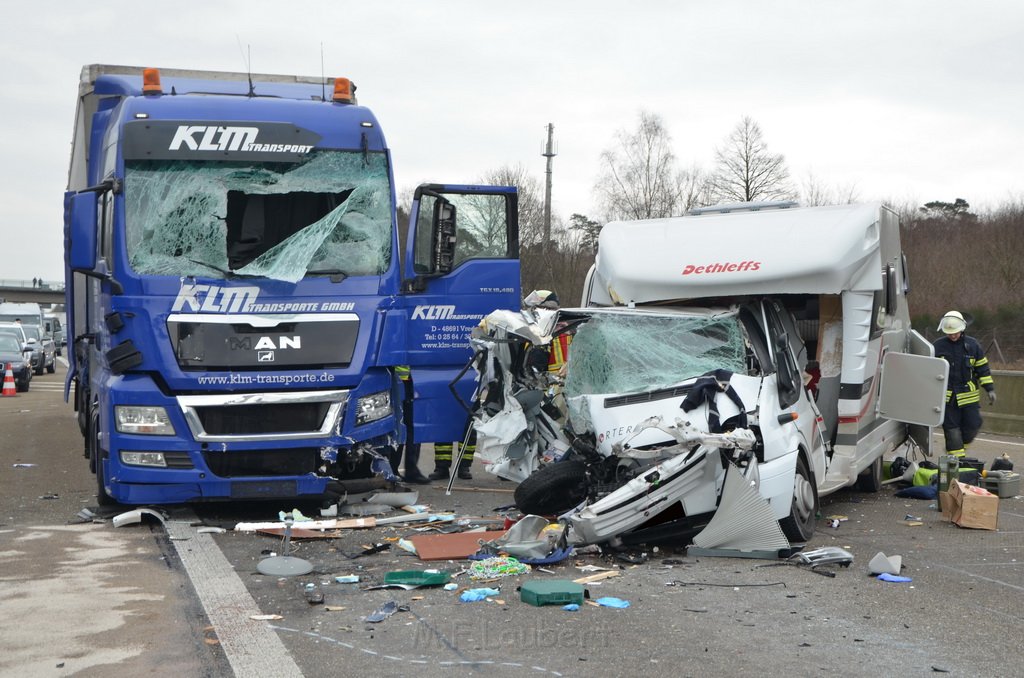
point(698, 349)
point(28, 314)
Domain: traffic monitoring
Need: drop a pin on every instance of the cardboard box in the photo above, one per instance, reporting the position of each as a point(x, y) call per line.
point(946, 506)
point(972, 506)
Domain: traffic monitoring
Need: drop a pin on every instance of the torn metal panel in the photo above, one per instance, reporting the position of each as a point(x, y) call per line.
point(744, 521)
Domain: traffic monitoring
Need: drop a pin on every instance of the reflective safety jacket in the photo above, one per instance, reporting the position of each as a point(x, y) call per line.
point(968, 369)
point(558, 351)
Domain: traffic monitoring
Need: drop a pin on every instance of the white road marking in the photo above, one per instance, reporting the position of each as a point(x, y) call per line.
point(252, 647)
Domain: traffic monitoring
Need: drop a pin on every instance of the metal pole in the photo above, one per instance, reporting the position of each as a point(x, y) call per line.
point(550, 154)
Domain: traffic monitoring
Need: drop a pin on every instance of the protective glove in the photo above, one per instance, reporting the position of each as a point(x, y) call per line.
point(991, 397)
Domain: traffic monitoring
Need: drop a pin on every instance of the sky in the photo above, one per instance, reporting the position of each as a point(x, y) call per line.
point(906, 101)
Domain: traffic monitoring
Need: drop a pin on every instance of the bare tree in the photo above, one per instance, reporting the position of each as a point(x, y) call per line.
point(531, 200)
point(638, 177)
point(695, 188)
point(746, 171)
point(815, 192)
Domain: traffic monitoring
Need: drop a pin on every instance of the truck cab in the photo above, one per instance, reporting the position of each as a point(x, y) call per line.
point(236, 301)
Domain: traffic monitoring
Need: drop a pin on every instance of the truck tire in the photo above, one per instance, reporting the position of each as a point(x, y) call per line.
point(553, 489)
point(870, 479)
point(799, 526)
point(96, 462)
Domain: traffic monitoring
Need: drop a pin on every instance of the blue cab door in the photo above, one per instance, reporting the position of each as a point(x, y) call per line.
point(461, 262)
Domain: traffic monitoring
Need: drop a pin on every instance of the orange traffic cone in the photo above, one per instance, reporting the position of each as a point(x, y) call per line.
point(9, 388)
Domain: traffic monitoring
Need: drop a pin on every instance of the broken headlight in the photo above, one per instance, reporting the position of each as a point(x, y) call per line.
point(373, 407)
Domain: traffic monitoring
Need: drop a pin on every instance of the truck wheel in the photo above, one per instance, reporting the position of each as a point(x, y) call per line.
point(96, 463)
point(553, 488)
point(799, 526)
point(870, 479)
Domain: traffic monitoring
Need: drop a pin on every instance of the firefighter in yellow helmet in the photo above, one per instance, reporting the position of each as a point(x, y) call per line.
point(969, 373)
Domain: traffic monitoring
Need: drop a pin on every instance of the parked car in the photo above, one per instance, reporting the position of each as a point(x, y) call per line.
point(44, 352)
point(17, 331)
point(53, 326)
point(19, 358)
point(46, 348)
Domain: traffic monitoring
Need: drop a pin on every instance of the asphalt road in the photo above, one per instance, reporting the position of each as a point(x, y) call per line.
point(99, 600)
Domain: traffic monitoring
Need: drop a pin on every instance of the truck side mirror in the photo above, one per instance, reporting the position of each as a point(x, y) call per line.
point(82, 232)
point(445, 238)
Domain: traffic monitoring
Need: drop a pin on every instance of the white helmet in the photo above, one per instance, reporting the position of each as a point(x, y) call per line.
point(952, 323)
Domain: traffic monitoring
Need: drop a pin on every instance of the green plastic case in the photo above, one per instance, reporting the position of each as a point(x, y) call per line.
point(417, 578)
point(551, 592)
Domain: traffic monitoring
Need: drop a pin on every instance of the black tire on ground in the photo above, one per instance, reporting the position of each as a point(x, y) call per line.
point(52, 367)
point(799, 526)
point(22, 387)
point(39, 370)
point(553, 489)
point(870, 479)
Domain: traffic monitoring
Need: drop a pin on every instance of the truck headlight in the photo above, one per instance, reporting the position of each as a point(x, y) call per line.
point(373, 407)
point(143, 420)
point(130, 458)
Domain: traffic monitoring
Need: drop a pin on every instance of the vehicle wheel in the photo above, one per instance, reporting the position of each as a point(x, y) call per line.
point(82, 411)
point(799, 526)
point(96, 463)
point(553, 488)
point(52, 367)
point(39, 370)
point(22, 387)
point(870, 479)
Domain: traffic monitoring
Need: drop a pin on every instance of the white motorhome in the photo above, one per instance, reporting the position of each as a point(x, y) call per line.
point(693, 353)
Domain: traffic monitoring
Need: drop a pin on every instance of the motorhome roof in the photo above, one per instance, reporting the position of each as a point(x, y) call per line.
point(813, 250)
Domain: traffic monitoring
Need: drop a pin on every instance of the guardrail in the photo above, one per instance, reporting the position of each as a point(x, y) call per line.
point(1007, 416)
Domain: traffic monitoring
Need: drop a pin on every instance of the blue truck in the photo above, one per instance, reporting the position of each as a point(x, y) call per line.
point(237, 304)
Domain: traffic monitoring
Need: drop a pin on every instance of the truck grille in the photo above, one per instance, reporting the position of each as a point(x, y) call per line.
point(263, 416)
point(237, 464)
point(262, 419)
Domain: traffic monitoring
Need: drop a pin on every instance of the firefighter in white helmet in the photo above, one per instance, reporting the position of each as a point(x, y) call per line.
point(969, 373)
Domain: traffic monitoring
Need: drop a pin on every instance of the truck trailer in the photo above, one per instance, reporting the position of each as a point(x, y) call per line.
point(236, 303)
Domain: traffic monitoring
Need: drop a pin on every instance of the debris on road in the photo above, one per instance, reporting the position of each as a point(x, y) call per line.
point(476, 595)
point(135, 517)
point(497, 567)
point(383, 612)
point(882, 563)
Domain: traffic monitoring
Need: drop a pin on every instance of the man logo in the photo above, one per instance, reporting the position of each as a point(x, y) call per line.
point(265, 357)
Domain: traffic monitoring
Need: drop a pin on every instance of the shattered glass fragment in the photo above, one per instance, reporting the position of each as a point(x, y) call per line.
point(329, 214)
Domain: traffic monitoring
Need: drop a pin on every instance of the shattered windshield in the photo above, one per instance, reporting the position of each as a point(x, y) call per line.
point(614, 353)
point(329, 214)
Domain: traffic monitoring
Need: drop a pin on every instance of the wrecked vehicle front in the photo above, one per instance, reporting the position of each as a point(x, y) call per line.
point(654, 406)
